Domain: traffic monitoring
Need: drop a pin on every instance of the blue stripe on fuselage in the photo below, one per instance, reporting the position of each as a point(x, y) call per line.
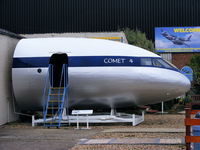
point(78, 61)
point(83, 61)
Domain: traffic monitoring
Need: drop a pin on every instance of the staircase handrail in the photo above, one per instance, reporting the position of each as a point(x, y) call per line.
point(47, 84)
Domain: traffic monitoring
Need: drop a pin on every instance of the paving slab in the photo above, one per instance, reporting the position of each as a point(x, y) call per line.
point(98, 141)
point(44, 139)
point(134, 141)
point(171, 141)
point(145, 130)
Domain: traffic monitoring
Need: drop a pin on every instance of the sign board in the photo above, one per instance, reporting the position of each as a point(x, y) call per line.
point(82, 112)
point(177, 39)
point(188, 72)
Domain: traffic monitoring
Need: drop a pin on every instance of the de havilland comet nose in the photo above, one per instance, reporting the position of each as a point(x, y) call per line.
point(185, 83)
point(179, 84)
point(101, 73)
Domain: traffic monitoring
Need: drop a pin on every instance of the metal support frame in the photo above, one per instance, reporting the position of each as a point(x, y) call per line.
point(88, 119)
point(77, 123)
point(162, 107)
point(113, 111)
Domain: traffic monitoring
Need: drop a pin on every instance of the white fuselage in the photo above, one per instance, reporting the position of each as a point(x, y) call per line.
point(100, 73)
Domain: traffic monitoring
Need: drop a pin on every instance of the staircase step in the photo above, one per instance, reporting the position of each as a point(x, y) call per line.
point(57, 94)
point(52, 115)
point(52, 107)
point(57, 88)
point(51, 101)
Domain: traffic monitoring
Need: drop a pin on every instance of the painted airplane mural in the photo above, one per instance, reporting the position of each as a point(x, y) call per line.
point(175, 39)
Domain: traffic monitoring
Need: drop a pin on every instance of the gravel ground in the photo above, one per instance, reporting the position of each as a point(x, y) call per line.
point(23, 136)
point(128, 147)
point(138, 135)
point(151, 121)
point(163, 121)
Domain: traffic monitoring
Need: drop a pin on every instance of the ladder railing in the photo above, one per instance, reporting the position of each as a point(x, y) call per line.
point(63, 99)
point(46, 91)
point(57, 97)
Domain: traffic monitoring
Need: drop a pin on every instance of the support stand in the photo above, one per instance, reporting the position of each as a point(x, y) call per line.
point(33, 121)
point(86, 116)
point(77, 123)
point(113, 112)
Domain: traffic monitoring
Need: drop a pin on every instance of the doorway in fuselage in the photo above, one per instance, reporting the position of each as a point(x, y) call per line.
point(57, 62)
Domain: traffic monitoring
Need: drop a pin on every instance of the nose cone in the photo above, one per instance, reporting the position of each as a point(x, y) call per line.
point(184, 82)
point(158, 85)
point(179, 84)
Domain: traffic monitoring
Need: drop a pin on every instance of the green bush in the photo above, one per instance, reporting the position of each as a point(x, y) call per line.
point(195, 64)
point(137, 38)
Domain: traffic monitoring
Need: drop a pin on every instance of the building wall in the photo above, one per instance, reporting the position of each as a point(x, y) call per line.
point(7, 46)
point(167, 56)
point(182, 59)
point(59, 16)
point(98, 35)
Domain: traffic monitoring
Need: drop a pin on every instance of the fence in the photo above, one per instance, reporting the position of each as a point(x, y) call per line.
point(191, 121)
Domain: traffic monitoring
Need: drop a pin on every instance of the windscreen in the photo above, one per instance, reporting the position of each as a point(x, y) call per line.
point(156, 62)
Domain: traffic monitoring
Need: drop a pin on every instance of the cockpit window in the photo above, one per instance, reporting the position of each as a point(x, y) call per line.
point(157, 62)
point(146, 62)
point(161, 63)
point(173, 66)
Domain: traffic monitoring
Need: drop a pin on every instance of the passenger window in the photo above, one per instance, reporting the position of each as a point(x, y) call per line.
point(146, 62)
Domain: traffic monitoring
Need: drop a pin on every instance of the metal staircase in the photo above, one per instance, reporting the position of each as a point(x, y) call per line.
point(55, 97)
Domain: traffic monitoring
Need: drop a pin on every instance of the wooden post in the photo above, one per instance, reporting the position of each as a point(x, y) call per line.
point(188, 127)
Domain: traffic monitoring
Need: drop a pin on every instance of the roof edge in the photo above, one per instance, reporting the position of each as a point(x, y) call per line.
point(10, 34)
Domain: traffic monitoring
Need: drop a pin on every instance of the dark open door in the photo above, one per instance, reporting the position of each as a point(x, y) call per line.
point(57, 61)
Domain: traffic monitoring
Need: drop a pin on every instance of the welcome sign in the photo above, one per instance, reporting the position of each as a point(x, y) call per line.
point(177, 39)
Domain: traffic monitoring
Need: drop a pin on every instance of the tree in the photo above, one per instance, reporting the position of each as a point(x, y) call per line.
point(195, 64)
point(137, 38)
